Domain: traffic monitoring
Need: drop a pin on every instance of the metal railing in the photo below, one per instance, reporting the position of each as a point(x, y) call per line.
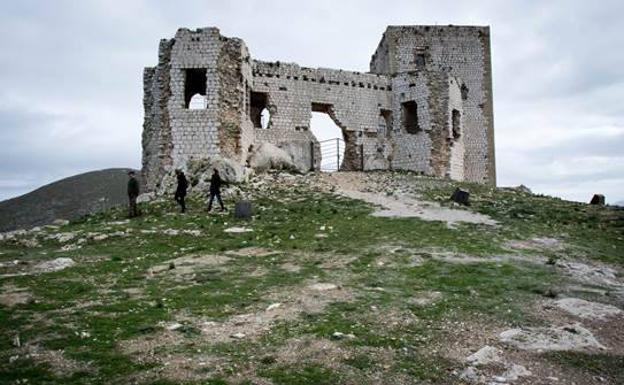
point(332, 154)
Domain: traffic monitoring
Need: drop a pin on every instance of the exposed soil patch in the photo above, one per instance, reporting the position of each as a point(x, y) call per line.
point(13, 295)
point(402, 204)
point(253, 252)
point(309, 349)
point(288, 305)
point(425, 298)
point(539, 244)
point(58, 363)
point(188, 265)
point(290, 267)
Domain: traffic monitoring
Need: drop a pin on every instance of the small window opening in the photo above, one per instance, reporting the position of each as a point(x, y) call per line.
point(258, 104)
point(409, 112)
point(419, 60)
point(456, 121)
point(194, 83)
point(464, 91)
point(385, 122)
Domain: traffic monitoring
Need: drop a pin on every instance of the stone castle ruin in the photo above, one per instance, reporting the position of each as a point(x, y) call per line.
point(425, 105)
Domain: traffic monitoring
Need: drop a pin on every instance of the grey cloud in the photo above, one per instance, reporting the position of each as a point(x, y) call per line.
point(71, 76)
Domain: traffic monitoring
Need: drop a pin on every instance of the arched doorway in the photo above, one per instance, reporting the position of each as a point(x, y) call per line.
point(330, 137)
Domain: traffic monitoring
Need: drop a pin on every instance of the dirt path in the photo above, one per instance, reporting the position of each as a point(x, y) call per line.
point(403, 205)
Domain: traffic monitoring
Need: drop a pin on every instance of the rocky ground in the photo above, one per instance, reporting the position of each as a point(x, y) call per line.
point(345, 278)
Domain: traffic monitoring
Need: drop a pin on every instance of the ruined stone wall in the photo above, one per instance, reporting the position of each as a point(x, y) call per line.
point(173, 133)
point(156, 139)
point(353, 100)
point(463, 52)
point(424, 81)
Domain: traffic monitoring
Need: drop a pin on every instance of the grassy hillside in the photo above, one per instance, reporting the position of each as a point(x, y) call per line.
point(69, 198)
point(312, 290)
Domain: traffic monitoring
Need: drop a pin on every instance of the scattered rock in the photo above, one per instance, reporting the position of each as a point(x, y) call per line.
point(268, 156)
point(100, 237)
point(425, 298)
point(174, 326)
point(237, 230)
point(54, 265)
point(146, 197)
point(595, 275)
point(340, 336)
point(515, 372)
point(242, 210)
point(586, 309)
point(567, 337)
point(323, 286)
point(253, 251)
point(238, 336)
point(486, 355)
point(470, 374)
point(60, 222)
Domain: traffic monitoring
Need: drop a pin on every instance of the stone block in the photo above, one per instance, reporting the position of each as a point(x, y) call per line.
point(242, 210)
point(461, 196)
point(598, 199)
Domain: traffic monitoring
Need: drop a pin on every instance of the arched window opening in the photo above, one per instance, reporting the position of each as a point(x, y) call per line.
point(197, 102)
point(265, 118)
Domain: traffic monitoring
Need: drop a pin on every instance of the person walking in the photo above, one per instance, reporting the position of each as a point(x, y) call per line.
point(180, 193)
point(133, 194)
point(215, 190)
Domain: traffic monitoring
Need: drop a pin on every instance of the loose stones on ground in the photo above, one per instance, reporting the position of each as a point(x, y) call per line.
point(566, 337)
point(587, 309)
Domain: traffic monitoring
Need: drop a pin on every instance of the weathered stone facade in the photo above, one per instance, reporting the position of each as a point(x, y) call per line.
point(425, 105)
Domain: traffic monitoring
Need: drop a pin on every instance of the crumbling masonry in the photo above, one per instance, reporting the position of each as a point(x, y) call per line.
point(425, 105)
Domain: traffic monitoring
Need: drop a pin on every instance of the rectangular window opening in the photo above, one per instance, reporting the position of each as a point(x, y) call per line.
point(385, 122)
point(456, 121)
point(195, 88)
point(409, 111)
point(258, 103)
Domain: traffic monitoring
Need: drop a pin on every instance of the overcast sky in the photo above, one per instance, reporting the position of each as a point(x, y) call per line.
point(71, 76)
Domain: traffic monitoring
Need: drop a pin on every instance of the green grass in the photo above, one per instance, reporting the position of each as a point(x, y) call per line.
point(85, 311)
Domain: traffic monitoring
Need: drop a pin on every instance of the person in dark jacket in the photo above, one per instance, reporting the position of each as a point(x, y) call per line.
point(215, 189)
point(133, 193)
point(180, 193)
